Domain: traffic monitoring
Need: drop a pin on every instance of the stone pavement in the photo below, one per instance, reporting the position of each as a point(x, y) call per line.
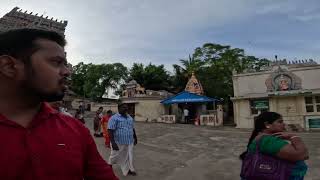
point(187, 152)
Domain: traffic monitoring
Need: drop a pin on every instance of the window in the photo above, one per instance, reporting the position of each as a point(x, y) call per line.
point(312, 103)
point(257, 105)
point(309, 104)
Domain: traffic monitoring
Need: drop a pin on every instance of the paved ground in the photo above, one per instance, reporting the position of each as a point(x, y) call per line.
point(187, 152)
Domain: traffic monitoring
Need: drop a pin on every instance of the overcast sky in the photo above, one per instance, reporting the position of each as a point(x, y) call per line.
point(164, 31)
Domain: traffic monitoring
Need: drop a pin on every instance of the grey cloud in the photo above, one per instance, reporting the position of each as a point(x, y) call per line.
point(148, 30)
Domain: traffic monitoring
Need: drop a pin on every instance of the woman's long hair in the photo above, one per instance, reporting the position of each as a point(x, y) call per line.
point(259, 125)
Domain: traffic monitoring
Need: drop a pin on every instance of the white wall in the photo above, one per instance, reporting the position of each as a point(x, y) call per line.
point(149, 110)
point(310, 78)
point(250, 84)
point(255, 82)
point(242, 114)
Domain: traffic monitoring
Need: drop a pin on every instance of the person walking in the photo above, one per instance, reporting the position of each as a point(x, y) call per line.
point(38, 142)
point(97, 122)
point(269, 133)
point(104, 125)
point(122, 137)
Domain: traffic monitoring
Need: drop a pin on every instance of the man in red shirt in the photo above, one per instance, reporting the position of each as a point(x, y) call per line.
point(38, 142)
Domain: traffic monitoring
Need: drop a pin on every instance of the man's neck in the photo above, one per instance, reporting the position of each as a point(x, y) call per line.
point(19, 110)
point(124, 115)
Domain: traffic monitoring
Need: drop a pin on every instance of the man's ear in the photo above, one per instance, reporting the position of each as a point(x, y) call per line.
point(8, 66)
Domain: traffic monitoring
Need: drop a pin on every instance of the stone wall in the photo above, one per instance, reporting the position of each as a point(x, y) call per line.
point(310, 77)
point(291, 108)
point(94, 106)
point(106, 107)
point(289, 103)
point(242, 114)
point(149, 110)
point(247, 84)
point(254, 83)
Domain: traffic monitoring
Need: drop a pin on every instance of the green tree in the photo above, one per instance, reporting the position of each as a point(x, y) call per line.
point(78, 78)
point(214, 65)
point(154, 77)
point(191, 65)
point(182, 73)
point(93, 81)
point(137, 73)
point(179, 79)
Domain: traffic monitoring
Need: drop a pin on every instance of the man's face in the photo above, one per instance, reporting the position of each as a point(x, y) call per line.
point(46, 74)
point(123, 109)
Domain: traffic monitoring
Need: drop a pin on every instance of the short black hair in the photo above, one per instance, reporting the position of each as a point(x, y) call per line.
point(109, 112)
point(19, 43)
point(122, 104)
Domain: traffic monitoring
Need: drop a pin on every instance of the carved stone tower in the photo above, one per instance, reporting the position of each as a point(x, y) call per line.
point(194, 86)
point(16, 19)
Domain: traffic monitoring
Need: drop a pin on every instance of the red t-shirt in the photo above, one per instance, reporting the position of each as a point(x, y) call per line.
point(54, 146)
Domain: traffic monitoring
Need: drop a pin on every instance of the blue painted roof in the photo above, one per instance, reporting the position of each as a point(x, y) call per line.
point(187, 97)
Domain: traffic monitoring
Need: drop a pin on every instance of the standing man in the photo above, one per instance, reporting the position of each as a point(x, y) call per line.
point(37, 142)
point(186, 115)
point(122, 137)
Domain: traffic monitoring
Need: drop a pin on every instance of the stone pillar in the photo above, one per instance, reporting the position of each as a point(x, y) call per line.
point(219, 115)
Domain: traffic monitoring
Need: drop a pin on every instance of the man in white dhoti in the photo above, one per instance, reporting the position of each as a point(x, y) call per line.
point(122, 138)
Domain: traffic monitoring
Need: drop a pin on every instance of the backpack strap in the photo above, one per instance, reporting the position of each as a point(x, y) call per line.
point(258, 143)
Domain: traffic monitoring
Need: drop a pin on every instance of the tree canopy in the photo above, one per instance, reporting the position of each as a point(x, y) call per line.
point(212, 63)
point(94, 80)
point(154, 77)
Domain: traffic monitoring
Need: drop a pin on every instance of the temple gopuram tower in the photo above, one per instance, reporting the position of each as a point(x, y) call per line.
point(17, 19)
point(194, 86)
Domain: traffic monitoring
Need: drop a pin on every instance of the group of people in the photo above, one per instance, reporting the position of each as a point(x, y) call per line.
point(100, 125)
point(119, 134)
point(40, 142)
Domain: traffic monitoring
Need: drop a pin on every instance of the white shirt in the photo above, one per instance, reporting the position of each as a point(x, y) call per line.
point(100, 115)
point(186, 112)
